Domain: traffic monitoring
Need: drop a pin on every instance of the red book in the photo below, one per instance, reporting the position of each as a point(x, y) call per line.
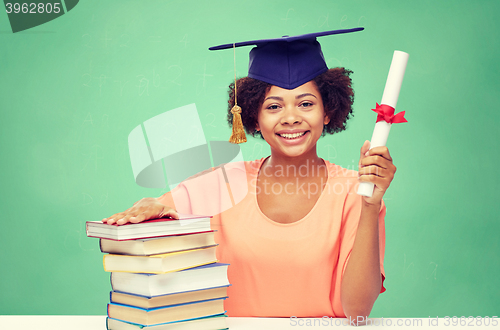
point(186, 224)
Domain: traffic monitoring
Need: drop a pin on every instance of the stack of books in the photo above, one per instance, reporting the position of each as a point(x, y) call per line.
point(164, 274)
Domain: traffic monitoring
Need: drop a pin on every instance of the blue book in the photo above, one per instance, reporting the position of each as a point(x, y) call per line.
point(166, 314)
point(204, 323)
point(168, 299)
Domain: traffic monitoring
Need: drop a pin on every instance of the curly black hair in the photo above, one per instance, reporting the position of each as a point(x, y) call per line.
point(335, 87)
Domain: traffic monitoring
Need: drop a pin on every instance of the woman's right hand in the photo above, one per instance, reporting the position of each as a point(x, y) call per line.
point(145, 209)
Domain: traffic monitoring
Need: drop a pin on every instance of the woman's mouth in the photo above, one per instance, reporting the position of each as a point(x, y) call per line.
point(292, 136)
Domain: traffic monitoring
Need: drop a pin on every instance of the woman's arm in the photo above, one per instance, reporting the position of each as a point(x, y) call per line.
point(206, 193)
point(361, 282)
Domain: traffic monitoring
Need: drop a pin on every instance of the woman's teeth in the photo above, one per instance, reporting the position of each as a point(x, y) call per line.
point(292, 136)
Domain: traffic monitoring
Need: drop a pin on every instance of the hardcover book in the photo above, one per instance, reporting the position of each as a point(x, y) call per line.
point(169, 299)
point(159, 263)
point(172, 313)
point(150, 285)
point(149, 246)
point(150, 228)
point(206, 323)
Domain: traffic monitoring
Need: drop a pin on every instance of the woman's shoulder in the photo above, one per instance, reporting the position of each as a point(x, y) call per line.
point(237, 169)
point(253, 166)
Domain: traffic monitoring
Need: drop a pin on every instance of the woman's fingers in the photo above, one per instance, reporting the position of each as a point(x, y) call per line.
point(169, 212)
point(374, 170)
point(364, 149)
point(378, 156)
point(112, 219)
point(381, 151)
point(376, 166)
point(145, 209)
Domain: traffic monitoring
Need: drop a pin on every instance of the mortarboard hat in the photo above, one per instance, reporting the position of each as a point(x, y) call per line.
point(286, 62)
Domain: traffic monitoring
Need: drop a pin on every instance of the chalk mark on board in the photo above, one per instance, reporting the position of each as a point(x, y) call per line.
point(143, 84)
point(406, 269)
point(102, 81)
point(89, 75)
point(330, 59)
point(179, 74)
point(433, 266)
point(325, 21)
point(359, 20)
point(346, 62)
point(286, 19)
point(205, 75)
point(87, 197)
point(184, 40)
point(342, 20)
point(88, 119)
point(96, 154)
point(87, 44)
point(87, 83)
point(154, 79)
point(213, 119)
point(121, 86)
point(106, 39)
point(103, 199)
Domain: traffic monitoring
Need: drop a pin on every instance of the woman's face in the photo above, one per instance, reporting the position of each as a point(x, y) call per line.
point(291, 121)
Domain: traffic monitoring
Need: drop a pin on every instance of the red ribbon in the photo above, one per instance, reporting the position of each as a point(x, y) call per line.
point(386, 112)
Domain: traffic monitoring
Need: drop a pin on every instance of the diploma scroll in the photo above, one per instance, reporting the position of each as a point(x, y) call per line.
point(390, 99)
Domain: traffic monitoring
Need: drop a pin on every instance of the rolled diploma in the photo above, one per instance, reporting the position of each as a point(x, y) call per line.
point(390, 97)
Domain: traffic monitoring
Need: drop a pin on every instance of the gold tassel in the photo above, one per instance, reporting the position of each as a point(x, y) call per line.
point(238, 135)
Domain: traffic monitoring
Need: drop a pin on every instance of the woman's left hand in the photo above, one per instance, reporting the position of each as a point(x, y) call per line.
point(376, 166)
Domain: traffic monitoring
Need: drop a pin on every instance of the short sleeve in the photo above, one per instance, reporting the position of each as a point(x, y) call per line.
point(210, 192)
point(381, 228)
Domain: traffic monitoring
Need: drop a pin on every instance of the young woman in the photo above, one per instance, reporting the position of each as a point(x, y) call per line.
point(300, 242)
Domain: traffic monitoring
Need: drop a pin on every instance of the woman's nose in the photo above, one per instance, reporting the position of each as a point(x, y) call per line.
point(291, 116)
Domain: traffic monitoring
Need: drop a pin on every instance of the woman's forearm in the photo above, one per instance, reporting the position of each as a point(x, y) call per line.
point(362, 280)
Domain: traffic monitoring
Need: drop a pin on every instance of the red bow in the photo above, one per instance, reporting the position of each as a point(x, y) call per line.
point(386, 113)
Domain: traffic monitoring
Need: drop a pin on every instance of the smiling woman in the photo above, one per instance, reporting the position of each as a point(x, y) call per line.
point(333, 85)
point(301, 242)
point(291, 121)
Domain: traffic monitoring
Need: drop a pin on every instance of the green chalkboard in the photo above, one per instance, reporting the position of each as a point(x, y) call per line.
point(74, 88)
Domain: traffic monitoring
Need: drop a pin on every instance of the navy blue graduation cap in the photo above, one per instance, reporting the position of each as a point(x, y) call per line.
point(286, 62)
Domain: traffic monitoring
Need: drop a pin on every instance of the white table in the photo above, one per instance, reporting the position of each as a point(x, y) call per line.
point(91, 322)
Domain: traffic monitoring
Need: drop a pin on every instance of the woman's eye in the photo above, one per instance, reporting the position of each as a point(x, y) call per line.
point(273, 107)
point(306, 104)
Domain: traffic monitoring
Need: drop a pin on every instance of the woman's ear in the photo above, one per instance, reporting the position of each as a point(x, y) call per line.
point(326, 120)
point(257, 128)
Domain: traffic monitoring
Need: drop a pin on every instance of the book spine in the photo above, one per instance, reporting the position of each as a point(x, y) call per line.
point(104, 262)
point(111, 281)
